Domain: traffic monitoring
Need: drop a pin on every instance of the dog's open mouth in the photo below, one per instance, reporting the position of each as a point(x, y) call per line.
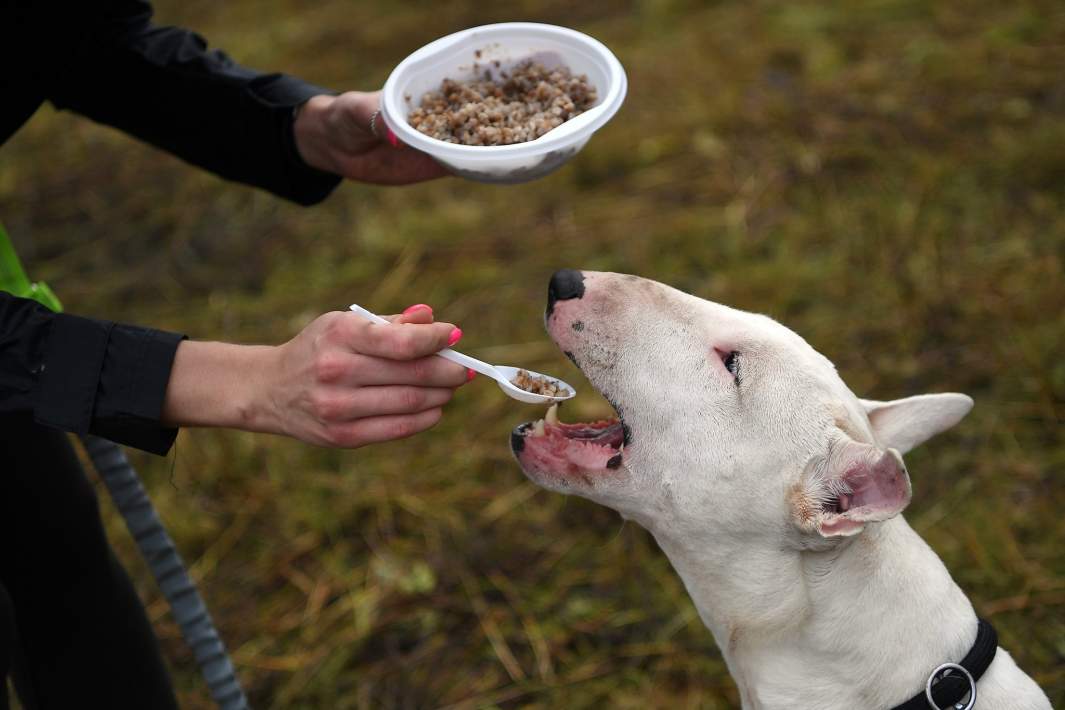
point(570, 448)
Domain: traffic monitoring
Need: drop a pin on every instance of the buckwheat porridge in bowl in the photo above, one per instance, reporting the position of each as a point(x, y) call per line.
point(504, 103)
point(519, 106)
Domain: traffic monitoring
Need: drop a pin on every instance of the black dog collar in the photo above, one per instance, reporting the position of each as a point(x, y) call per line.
point(948, 684)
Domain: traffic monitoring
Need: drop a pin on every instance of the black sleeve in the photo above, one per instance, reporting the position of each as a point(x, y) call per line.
point(164, 86)
point(84, 375)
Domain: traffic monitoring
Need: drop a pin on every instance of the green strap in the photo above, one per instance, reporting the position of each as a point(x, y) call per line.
point(13, 277)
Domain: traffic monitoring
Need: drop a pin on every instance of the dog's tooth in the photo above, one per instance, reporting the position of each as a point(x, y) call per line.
point(538, 428)
point(552, 415)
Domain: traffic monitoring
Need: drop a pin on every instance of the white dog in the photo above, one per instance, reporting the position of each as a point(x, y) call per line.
point(775, 492)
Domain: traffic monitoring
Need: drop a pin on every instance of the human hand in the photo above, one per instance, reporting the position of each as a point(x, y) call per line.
point(346, 382)
point(341, 382)
point(333, 134)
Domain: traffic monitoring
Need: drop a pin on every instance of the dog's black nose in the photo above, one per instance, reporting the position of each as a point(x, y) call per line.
point(565, 284)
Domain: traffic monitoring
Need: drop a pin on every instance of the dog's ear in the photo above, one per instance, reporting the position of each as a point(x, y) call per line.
point(905, 423)
point(858, 484)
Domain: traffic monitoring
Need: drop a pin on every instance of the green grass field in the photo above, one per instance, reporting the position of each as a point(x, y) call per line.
point(887, 178)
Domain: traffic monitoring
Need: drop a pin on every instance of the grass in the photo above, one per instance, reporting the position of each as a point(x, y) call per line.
point(885, 177)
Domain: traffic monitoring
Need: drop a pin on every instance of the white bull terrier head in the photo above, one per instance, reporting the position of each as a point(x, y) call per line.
point(729, 424)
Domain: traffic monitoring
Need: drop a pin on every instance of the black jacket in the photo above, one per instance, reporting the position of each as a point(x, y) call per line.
point(104, 59)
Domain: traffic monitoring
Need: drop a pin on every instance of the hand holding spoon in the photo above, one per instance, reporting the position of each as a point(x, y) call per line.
point(502, 374)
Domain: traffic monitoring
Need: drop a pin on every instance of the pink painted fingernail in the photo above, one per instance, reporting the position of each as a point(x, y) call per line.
point(417, 307)
point(470, 374)
point(392, 138)
point(454, 337)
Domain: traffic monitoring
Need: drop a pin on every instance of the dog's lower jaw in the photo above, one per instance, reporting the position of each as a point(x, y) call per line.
point(858, 626)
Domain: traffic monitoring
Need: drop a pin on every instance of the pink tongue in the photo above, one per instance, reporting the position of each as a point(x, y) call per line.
point(589, 456)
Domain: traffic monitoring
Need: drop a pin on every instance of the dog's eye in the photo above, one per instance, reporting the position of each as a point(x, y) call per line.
point(732, 364)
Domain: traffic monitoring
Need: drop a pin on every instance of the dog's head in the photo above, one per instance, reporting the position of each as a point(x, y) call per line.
point(728, 422)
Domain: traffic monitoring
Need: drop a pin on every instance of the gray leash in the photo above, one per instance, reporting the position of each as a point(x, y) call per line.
point(169, 571)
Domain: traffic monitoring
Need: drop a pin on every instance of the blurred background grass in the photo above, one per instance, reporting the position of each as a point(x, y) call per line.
point(886, 177)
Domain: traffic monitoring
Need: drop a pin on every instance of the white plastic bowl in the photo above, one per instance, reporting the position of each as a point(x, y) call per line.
point(508, 43)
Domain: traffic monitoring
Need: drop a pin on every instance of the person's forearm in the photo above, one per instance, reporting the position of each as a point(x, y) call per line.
point(340, 382)
point(163, 85)
point(219, 385)
point(85, 375)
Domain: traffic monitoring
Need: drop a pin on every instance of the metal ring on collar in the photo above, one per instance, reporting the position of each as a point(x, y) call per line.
point(373, 123)
point(942, 670)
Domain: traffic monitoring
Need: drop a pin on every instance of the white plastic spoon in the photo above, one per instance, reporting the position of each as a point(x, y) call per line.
point(503, 374)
